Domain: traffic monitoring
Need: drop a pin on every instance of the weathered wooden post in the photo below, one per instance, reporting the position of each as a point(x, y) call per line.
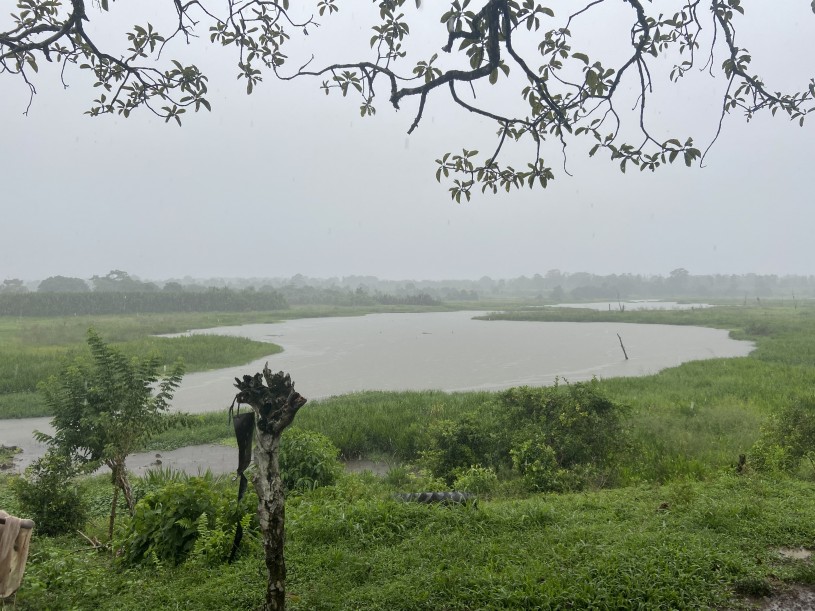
point(274, 404)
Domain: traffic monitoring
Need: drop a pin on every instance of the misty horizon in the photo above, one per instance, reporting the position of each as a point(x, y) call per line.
point(288, 181)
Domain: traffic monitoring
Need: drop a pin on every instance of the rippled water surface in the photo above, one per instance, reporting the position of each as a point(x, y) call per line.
point(451, 351)
point(445, 350)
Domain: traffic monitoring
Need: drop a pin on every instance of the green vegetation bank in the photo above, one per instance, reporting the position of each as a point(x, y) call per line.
point(658, 511)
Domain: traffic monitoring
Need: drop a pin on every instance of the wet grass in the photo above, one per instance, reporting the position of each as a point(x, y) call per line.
point(680, 530)
point(689, 545)
point(22, 369)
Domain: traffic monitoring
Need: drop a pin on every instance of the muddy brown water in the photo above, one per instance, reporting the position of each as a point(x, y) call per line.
point(441, 350)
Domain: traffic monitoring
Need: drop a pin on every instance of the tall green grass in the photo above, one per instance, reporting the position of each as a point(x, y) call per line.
point(193, 429)
point(361, 424)
point(31, 351)
point(691, 545)
point(23, 405)
point(393, 423)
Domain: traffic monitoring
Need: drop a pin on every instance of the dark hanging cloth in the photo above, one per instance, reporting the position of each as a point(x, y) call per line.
point(244, 430)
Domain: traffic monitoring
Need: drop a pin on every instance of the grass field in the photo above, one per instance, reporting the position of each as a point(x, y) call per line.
point(679, 528)
point(688, 545)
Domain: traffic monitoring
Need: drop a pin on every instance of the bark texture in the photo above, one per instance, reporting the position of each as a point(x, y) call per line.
point(274, 403)
point(120, 482)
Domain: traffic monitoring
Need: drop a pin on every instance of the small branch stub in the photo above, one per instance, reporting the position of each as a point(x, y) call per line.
point(625, 354)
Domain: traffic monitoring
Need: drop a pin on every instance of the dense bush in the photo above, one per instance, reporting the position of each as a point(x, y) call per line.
point(308, 460)
point(787, 438)
point(456, 445)
point(49, 495)
point(181, 518)
point(477, 480)
point(577, 421)
point(191, 514)
point(556, 438)
point(535, 460)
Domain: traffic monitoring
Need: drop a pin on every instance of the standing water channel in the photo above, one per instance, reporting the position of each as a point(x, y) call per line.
point(441, 350)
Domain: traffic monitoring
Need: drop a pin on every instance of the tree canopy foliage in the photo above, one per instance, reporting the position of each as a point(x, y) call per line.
point(63, 284)
point(565, 91)
point(105, 407)
point(141, 302)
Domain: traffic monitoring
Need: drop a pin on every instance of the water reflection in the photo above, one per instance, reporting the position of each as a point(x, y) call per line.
point(451, 351)
point(446, 351)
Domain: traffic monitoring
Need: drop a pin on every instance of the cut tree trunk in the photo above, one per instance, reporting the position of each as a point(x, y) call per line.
point(274, 403)
point(120, 482)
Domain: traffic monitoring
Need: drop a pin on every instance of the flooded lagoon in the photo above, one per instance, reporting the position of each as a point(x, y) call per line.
point(440, 350)
point(451, 351)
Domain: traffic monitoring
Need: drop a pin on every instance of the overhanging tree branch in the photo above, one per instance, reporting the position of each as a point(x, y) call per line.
point(566, 93)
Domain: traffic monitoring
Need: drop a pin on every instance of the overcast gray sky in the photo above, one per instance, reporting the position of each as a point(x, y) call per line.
point(290, 181)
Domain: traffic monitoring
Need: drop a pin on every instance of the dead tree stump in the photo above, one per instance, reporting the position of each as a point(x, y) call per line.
point(274, 404)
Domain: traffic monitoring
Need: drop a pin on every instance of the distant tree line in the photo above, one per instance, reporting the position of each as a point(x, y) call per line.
point(552, 285)
point(349, 290)
point(417, 299)
point(311, 295)
point(274, 293)
point(95, 303)
point(118, 293)
point(678, 283)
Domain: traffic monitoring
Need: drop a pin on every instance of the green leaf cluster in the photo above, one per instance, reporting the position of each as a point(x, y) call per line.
point(787, 439)
point(49, 494)
point(308, 460)
point(191, 515)
point(554, 438)
point(106, 406)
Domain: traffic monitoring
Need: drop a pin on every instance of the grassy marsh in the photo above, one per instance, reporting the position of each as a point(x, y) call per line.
point(679, 530)
point(687, 421)
point(31, 349)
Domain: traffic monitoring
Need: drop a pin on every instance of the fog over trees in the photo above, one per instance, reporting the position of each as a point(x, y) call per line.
point(118, 291)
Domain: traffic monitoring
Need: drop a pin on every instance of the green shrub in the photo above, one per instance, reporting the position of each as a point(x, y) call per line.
point(167, 523)
point(476, 479)
point(564, 436)
point(537, 464)
point(769, 456)
point(787, 438)
point(49, 495)
point(579, 423)
point(556, 438)
point(458, 444)
point(308, 460)
point(540, 471)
